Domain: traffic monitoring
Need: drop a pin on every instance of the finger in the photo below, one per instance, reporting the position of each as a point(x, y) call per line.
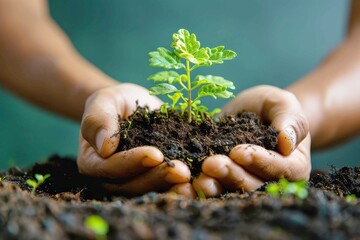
point(271, 165)
point(230, 175)
point(158, 179)
point(278, 107)
point(99, 126)
point(184, 189)
point(208, 186)
point(122, 165)
point(285, 114)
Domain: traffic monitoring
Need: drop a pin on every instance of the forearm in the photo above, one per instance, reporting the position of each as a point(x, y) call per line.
point(330, 95)
point(39, 63)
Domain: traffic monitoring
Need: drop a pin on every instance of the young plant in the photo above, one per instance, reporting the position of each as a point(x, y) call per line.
point(98, 225)
point(350, 198)
point(286, 188)
point(188, 56)
point(40, 179)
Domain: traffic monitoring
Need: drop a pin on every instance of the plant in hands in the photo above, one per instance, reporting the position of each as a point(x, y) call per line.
point(187, 55)
point(40, 179)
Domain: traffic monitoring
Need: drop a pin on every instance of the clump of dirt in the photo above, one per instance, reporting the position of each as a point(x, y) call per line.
point(193, 142)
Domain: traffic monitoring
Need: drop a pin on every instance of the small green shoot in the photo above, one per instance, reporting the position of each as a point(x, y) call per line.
point(187, 48)
point(98, 225)
point(201, 195)
point(286, 188)
point(40, 179)
point(350, 198)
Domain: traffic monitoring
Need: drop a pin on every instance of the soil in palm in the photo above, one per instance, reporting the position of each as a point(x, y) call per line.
point(193, 142)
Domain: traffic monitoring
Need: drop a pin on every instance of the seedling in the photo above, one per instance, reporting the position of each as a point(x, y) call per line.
point(350, 198)
point(286, 188)
point(188, 56)
point(201, 195)
point(1, 179)
point(40, 179)
point(98, 225)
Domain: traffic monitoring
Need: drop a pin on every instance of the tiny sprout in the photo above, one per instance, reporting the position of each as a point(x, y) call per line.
point(188, 56)
point(201, 195)
point(98, 225)
point(350, 198)
point(2, 178)
point(39, 180)
point(286, 188)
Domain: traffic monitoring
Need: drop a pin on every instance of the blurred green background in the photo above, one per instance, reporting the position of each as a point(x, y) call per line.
point(277, 43)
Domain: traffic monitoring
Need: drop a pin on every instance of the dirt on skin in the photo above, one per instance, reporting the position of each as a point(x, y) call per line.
point(193, 142)
point(66, 199)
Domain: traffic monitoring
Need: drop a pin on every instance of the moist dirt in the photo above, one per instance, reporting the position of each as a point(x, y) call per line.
point(193, 142)
point(62, 203)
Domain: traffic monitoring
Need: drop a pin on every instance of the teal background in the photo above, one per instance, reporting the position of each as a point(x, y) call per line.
point(277, 42)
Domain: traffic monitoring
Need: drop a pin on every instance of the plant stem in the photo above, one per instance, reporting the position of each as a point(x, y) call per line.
point(188, 70)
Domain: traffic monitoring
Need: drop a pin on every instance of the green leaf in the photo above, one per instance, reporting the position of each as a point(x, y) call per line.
point(217, 55)
point(175, 98)
point(273, 189)
point(163, 108)
point(97, 224)
point(185, 44)
point(31, 182)
point(162, 88)
point(200, 57)
point(165, 76)
point(214, 91)
point(215, 111)
point(228, 55)
point(217, 80)
point(165, 59)
point(39, 177)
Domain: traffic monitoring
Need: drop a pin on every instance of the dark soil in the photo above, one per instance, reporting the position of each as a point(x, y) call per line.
point(193, 142)
point(62, 203)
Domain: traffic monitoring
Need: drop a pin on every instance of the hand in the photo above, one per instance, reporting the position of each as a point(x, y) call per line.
point(248, 166)
point(136, 171)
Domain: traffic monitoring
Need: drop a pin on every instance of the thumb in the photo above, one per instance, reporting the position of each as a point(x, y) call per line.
point(286, 115)
point(99, 126)
point(278, 107)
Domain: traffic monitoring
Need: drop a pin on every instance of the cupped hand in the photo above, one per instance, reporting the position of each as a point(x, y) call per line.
point(136, 171)
point(248, 166)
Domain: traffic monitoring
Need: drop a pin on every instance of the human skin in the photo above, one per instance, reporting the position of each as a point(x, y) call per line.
point(39, 64)
point(324, 105)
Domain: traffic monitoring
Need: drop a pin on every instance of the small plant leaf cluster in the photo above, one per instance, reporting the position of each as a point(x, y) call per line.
point(286, 188)
point(350, 198)
point(188, 55)
point(98, 225)
point(39, 179)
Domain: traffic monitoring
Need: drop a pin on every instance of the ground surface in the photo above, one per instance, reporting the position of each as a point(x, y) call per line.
point(59, 209)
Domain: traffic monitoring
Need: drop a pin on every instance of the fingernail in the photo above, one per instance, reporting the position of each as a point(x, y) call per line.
point(100, 138)
point(291, 136)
